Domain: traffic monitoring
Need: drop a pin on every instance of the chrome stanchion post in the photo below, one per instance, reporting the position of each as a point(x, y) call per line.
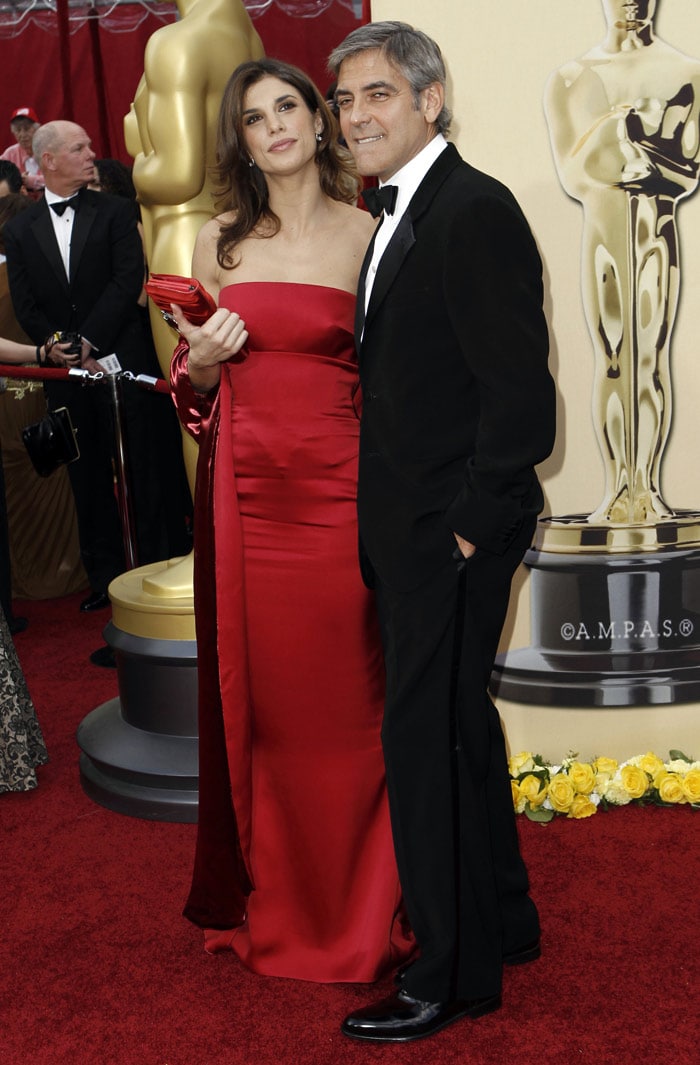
point(139, 751)
point(121, 451)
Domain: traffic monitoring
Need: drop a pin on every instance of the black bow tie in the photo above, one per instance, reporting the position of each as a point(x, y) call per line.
point(383, 199)
point(60, 206)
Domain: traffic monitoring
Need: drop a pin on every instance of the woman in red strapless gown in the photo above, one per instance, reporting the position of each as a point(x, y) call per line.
point(295, 868)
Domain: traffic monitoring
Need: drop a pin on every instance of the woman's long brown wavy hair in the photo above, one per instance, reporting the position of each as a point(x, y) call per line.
point(242, 188)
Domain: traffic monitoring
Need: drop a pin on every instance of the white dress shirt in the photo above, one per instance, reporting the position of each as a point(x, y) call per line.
point(62, 226)
point(407, 179)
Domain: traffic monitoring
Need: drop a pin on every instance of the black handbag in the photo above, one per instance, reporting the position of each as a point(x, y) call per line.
point(52, 442)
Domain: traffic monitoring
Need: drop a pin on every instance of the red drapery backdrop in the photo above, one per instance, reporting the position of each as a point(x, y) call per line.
point(90, 74)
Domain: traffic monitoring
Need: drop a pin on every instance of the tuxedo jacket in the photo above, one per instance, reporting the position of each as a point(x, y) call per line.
point(100, 299)
point(458, 402)
point(100, 302)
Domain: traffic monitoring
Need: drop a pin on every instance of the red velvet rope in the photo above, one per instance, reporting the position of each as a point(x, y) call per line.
point(28, 372)
point(46, 373)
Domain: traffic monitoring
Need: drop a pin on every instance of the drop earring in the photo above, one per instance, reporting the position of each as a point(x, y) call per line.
point(319, 137)
point(251, 161)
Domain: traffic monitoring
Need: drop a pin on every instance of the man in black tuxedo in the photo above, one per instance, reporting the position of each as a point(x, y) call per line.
point(76, 264)
point(458, 408)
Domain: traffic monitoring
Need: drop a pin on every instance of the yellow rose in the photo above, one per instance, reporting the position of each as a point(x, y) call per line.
point(650, 763)
point(518, 801)
point(582, 777)
point(561, 793)
point(520, 763)
point(604, 769)
point(582, 807)
point(533, 790)
point(634, 780)
point(670, 787)
point(691, 785)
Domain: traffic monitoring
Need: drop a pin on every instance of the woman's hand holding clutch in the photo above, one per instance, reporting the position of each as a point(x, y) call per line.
point(218, 339)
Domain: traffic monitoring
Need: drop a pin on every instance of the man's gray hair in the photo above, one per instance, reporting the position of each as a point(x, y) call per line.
point(412, 52)
point(46, 139)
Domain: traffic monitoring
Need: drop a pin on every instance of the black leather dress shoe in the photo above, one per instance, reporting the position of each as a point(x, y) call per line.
point(400, 1017)
point(16, 624)
point(528, 952)
point(96, 601)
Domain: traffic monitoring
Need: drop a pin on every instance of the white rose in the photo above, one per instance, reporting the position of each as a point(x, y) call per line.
point(615, 793)
point(677, 766)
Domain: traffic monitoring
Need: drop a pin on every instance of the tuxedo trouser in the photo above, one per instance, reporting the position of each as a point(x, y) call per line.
point(464, 882)
point(92, 479)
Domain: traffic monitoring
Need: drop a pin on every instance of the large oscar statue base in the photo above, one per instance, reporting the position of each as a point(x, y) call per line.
point(139, 752)
point(615, 616)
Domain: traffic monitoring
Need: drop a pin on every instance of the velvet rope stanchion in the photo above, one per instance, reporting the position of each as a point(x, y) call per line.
point(115, 383)
point(139, 752)
point(153, 384)
point(49, 373)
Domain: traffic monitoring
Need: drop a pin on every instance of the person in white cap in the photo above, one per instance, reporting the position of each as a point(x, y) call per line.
point(24, 124)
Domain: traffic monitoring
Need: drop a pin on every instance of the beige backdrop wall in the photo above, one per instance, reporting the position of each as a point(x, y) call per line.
point(499, 54)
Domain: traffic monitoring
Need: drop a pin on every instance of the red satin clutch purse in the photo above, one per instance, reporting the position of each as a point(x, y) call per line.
point(188, 293)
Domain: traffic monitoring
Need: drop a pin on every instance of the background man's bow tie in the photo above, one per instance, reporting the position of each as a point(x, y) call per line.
point(60, 206)
point(383, 199)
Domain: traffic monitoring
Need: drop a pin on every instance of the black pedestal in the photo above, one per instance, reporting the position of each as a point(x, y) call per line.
point(608, 630)
point(140, 751)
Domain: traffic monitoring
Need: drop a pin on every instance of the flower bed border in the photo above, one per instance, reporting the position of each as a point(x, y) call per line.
point(544, 790)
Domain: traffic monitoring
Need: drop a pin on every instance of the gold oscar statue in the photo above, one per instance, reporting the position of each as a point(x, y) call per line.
point(624, 127)
point(139, 751)
point(171, 133)
point(615, 595)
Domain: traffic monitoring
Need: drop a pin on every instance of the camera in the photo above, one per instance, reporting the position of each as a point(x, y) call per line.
point(74, 339)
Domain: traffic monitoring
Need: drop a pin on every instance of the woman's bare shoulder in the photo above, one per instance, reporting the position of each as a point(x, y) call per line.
point(208, 234)
point(211, 230)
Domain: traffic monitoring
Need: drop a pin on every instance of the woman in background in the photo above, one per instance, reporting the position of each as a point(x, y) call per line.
point(114, 177)
point(39, 512)
point(294, 867)
point(22, 746)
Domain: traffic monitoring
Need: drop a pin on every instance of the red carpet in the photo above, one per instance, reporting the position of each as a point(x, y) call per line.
point(98, 966)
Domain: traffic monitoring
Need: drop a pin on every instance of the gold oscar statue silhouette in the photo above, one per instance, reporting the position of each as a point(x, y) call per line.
point(623, 121)
point(171, 133)
point(615, 594)
point(139, 751)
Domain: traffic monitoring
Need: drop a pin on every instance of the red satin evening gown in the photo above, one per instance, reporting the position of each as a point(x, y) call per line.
point(300, 666)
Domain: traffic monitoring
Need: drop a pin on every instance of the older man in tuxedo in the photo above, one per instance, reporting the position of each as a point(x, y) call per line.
point(458, 407)
point(76, 264)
